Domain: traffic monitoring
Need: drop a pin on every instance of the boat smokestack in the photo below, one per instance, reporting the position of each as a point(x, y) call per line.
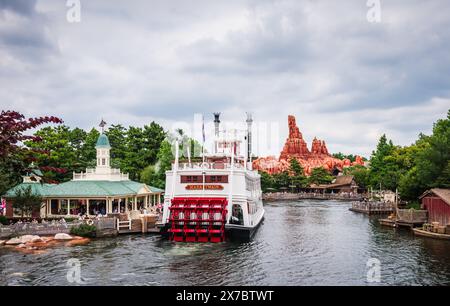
point(216, 123)
point(249, 136)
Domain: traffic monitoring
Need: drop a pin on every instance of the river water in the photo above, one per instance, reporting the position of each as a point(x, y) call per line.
point(299, 243)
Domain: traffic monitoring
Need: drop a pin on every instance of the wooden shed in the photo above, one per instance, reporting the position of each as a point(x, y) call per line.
point(437, 203)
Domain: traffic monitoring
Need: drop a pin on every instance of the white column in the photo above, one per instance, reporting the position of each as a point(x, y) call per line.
point(135, 203)
point(87, 207)
point(68, 207)
point(146, 201)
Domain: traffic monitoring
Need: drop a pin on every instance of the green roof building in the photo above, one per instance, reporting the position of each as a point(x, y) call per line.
point(101, 190)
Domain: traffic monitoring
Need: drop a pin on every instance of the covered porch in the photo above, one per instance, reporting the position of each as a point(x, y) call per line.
point(93, 206)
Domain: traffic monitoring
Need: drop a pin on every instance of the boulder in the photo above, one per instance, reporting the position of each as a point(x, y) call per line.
point(63, 236)
point(2, 242)
point(78, 241)
point(13, 241)
point(30, 238)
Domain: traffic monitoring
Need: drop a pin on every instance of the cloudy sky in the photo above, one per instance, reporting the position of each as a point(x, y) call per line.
point(347, 80)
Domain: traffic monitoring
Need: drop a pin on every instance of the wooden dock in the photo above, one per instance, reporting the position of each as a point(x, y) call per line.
point(135, 224)
point(372, 208)
point(387, 222)
point(409, 218)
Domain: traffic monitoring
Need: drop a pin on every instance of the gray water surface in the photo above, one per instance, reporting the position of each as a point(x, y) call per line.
point(299, 243)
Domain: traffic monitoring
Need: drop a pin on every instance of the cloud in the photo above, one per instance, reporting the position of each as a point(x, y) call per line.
point(347, 80)
point(23, 7)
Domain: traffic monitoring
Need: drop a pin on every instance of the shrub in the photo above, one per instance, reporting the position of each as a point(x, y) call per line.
point(84, 230)
point(4, 220)
point(413, 205)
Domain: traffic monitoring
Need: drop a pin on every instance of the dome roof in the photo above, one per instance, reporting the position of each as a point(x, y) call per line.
point(103, 142)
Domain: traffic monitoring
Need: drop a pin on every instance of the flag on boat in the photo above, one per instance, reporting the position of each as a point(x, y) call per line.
point(203, 128)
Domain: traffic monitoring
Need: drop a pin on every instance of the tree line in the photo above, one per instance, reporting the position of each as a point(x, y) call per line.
point(146, 153)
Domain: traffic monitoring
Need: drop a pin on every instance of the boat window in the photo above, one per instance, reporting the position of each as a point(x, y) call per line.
point(237, 216)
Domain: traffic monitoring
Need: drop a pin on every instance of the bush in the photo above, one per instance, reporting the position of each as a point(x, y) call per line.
point(413, 205)
point(84, 230)
point(4, 220)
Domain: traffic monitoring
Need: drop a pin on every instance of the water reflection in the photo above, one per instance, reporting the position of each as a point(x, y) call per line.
point(300, 243)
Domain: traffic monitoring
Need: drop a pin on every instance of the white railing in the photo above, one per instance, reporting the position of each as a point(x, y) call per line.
point(210, 166)
point(115, 174)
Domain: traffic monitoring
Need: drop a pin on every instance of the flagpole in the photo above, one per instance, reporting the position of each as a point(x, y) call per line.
point(203, 155)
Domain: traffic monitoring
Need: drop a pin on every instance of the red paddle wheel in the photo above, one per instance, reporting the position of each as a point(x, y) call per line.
point(198, 219)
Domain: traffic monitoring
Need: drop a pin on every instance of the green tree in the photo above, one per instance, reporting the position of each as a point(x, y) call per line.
point(282, 180)
point(117, 138)
point(360, 173)
point(153, 135)
point(343, 156)
point(267, 181)
point(89, 153)
point(298, 177)
point(150, 176)
point(56, 141)
point(134, 158)
point(320, 176)
point(431, 163)
point(155, 175)
point(26, 202)
point(378, 167)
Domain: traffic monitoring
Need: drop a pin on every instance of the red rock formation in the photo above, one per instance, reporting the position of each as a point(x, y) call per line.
point(358, 161)
point(296, 147)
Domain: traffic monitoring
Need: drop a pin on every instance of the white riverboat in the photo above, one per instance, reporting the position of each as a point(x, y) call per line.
point(216, 198)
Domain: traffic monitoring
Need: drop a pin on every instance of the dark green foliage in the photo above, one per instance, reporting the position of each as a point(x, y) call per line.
point(416, 168)
point(320, 176)
point(360, 173)
point(4, 220)
point(26, 202)
point(84, 230)
point(267, 181)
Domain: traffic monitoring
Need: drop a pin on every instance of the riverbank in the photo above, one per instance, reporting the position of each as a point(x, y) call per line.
point(285, 196)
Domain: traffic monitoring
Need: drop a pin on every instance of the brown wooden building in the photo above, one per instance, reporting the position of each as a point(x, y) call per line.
point(342, 184)
point(437, 203)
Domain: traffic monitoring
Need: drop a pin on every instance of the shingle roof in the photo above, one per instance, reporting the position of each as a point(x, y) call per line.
point(344, 180)
point(86, 189)
point(340, 181)
point(36, 187)
point(444, 194)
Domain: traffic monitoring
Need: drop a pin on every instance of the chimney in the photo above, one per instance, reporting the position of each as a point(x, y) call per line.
point(249, 136)
point(216, 123)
